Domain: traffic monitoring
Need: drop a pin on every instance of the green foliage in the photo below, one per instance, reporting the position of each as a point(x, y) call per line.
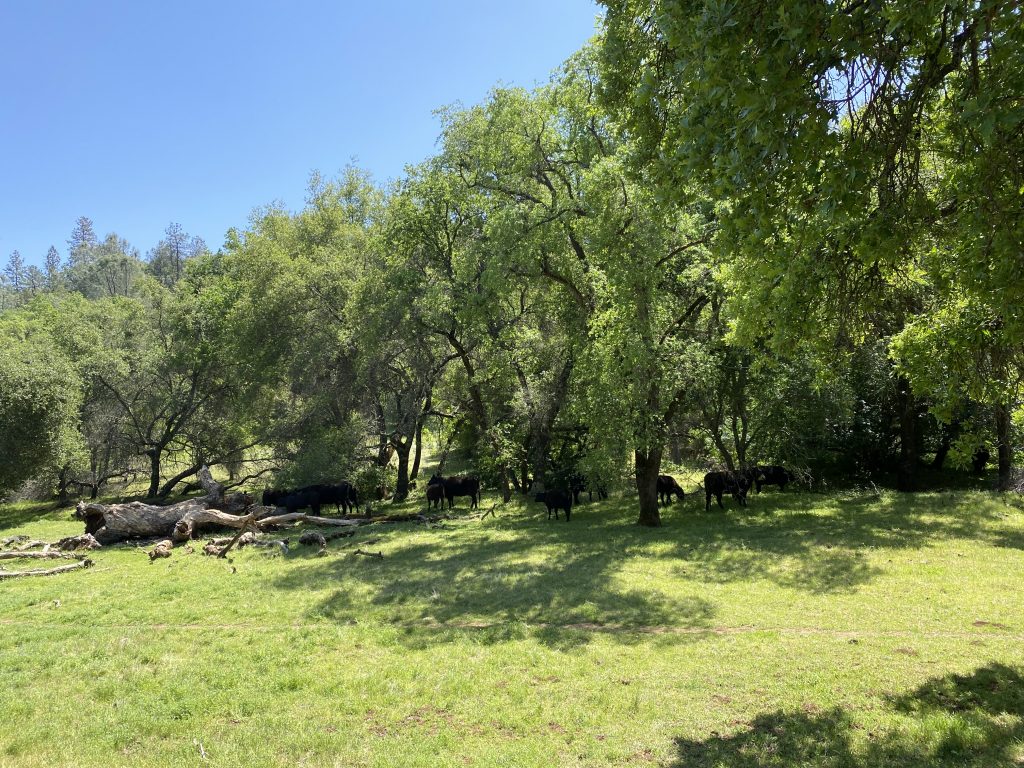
point(39, 401)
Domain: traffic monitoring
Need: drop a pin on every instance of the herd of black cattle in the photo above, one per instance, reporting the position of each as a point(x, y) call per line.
point(441, 489)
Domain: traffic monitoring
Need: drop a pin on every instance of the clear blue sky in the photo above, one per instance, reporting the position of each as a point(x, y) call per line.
point(139, 113)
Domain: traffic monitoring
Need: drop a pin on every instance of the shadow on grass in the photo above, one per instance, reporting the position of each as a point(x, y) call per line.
point(504, 580)
point(561, 583)
point(819, 543)
point(25, 512)
point(955, 720)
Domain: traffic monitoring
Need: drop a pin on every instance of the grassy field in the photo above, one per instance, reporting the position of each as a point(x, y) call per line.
point(810, 630)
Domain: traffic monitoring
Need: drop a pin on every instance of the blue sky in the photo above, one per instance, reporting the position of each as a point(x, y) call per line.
point(137, 114)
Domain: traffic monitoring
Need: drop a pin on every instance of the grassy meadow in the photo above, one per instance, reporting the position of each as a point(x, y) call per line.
point(849, 629)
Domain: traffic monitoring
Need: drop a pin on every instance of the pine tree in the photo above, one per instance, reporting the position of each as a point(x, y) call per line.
point(15, 271)
point(52, 267)
point(83, 239)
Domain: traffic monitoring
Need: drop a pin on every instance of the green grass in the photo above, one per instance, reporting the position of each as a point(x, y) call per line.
point(845, 630)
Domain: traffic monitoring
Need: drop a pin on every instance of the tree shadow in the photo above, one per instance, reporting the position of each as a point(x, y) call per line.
point(955, 720)
point(24, 513)
point(520, 574)
point(819, 544)
point(484, 581)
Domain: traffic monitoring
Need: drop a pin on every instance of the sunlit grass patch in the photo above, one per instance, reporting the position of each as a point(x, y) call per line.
point(843, 630)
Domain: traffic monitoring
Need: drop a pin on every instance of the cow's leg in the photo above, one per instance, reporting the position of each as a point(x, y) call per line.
point(718, 496)
point(707, 501)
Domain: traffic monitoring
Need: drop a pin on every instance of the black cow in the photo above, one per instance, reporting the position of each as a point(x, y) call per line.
point(342, 495)
point(555, 500)
point(435, 495)
point(717, 483)
point(667, 485)
point(773, 475)
point(273, 496)
point(300, 499)
point(459, 485)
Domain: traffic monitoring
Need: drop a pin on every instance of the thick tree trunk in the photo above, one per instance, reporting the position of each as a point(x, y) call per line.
point(154, 472)
point(402, 483)
point(506, 488)
point(417, 452)
point(906, 472)
point(648, 465)
point(1004, 444)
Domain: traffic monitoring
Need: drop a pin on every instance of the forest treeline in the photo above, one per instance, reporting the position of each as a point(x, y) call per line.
point(724, 232)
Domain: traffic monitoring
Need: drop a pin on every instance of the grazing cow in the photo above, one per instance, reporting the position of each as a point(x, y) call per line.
point(342, 495)
point(459, 485)
point(773, 475)
point(301, 499)
point(272, 496)
point(667, 485)
point(555, 500)
point(717, 483)
point(435, 495)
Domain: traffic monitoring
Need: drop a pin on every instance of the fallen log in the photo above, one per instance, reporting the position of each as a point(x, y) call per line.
point(162, 549)
point(84, 563)
point(85, 541)
point(378, 555)
point(48, 554)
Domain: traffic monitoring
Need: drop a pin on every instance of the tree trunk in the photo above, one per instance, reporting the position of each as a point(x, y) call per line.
point(648, 465)
point(417, 452)
point(402, 483)
point(1004, 444)
point(906, 473)
point(948, 434)
point(506, 488)
point(154, 472)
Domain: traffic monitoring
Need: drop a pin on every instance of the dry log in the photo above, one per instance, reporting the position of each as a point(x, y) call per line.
point(248, 521)
point(162, 549)
point(85, 541)
point(312, 537)
point(378, 555)
point(84, 563)
point(110, 523)
point(32, 545)
point(46, 555)
point(248, 537)
point(14, 540)
point(281, 544)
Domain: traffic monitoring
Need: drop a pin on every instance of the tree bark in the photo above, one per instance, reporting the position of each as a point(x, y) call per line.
point(119, 522)
point(154, 471)
point(648, 465)
point(417, 452)
point(402, 483)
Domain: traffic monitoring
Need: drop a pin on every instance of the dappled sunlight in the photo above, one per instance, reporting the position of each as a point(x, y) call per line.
point(547, 577)
point(954, 720)
point(518, 572)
